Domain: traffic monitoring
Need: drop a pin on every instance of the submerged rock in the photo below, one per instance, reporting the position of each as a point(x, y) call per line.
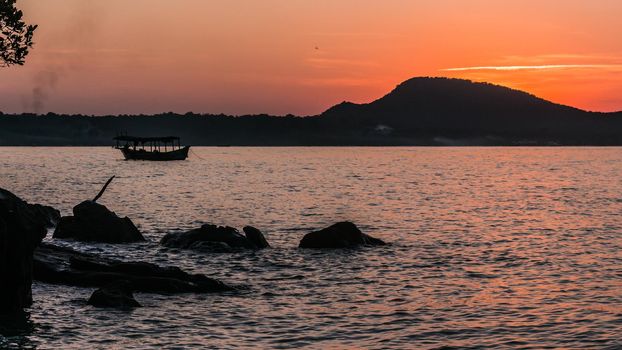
point(340, 235)
point(218, 237)
point(115, 295)
point(93, 222)
point(58, 265)
point(22, 227)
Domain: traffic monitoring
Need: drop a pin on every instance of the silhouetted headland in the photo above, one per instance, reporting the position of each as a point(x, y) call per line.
point(419, 111)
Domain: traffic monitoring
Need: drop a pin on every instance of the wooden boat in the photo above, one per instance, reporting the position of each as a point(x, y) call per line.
point(151, 148)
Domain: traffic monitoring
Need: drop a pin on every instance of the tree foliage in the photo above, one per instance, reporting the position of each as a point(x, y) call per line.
point(15, 35)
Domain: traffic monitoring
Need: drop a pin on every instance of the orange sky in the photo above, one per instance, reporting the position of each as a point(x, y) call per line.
point(301, 57)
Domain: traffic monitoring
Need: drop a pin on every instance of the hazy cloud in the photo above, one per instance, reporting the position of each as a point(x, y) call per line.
point(559, 58)
point(537, 67)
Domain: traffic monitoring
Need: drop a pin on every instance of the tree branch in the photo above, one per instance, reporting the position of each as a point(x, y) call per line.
point(103, 189)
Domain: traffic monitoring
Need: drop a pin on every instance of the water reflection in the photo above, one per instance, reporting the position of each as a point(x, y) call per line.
point(491, 247)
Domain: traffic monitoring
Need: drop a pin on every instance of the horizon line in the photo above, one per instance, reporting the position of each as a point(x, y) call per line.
point(504, 68)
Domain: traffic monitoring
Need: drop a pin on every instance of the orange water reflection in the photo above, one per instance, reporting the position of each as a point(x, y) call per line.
point(491, 247)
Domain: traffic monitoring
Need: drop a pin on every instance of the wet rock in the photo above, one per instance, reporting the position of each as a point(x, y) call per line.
point(215, 236)
point(58, 265)
point(212, 247)
point(93, 222)
point(115, 295)
point(22, 227)
point(256, 237)
point(340, 235)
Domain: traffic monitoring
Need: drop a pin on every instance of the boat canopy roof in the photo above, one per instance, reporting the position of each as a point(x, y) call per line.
point(147, 139)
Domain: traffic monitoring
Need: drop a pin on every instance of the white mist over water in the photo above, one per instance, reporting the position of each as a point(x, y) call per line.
point(491, 247)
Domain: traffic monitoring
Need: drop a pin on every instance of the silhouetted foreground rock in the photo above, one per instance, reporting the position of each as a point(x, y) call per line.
point(22, 227)
point(256, 237)
point(115, 295)
point(53, 264)
point(340, 235)
point(93, 222)
point(212, 237)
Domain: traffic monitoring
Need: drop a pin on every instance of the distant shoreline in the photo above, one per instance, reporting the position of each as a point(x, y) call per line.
point(418, 112)
point(340, 146)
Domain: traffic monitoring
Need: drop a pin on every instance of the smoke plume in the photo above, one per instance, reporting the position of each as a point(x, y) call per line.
point(44, 82)
point(77, 39)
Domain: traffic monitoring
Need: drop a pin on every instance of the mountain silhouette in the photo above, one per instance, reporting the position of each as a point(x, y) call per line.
point(419, 111)
point(486, 113)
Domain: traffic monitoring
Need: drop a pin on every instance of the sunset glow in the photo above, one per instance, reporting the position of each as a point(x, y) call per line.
point(302, 57)
point(310, 174)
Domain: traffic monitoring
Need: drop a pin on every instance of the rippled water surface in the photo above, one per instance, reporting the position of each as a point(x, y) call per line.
point(490, 247)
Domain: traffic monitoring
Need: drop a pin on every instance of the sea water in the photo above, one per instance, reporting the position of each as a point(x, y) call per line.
point(489, 247)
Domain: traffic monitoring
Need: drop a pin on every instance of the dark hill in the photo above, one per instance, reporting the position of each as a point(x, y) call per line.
point(467, 112)
point(419, 111)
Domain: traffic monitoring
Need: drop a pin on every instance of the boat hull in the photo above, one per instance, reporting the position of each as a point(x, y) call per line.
point(178, 154)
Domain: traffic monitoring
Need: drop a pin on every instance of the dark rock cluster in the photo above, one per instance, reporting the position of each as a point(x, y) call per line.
point(23, 257)
point(212, 237)
point(58, 265)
